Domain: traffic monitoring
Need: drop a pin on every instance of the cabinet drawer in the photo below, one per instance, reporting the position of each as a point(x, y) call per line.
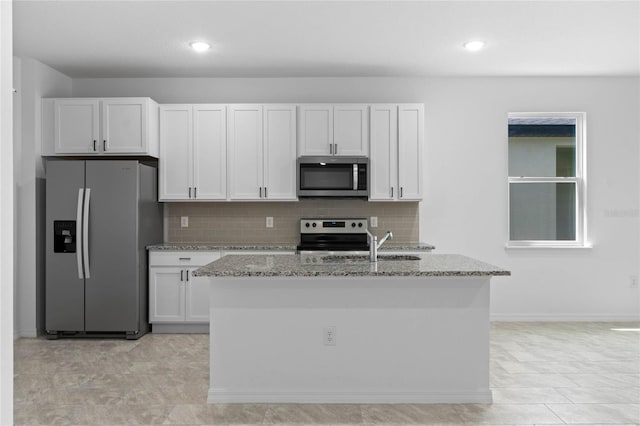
point(182, 258)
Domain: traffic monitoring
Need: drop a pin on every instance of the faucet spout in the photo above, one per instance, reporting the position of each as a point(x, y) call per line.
point(374, 245)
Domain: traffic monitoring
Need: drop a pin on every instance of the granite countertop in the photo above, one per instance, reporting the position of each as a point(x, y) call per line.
point(387, 246)
point(222, 246)
point(435, 265)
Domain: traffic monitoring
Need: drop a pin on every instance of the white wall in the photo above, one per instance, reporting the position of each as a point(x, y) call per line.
point(465, 206)
point(6, 215)
point(37, 81)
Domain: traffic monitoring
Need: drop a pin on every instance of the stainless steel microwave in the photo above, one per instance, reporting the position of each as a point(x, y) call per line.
point(332, 176)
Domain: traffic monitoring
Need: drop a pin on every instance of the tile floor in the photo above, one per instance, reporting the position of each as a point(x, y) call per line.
point(541, 373)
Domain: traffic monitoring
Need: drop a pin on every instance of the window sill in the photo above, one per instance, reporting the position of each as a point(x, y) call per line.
point(540, 245)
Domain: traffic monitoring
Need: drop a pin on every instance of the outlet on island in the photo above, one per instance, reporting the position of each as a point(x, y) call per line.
point(184, 221)
point(269, 222)
point(329, 336)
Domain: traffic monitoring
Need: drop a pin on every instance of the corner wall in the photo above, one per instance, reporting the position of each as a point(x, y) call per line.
point(37, 81)
point(7, 207)
point(465, 160)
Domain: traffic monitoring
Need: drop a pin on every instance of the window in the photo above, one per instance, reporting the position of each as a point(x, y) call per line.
point(547, 180)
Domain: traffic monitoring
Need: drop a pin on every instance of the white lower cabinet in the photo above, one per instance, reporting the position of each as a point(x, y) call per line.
point(175, 295)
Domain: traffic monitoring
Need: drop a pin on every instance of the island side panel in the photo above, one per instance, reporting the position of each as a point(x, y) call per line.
point(398, 339)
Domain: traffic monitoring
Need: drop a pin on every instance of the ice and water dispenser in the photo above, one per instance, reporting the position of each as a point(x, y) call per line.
point(64, 236)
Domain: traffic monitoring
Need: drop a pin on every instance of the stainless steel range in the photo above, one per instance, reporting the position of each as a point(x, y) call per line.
point(326, 236)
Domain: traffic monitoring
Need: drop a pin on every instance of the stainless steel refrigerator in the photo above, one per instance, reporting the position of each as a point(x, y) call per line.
point(100, 216)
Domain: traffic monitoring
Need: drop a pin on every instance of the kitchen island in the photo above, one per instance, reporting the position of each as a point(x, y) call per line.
point(349, 331)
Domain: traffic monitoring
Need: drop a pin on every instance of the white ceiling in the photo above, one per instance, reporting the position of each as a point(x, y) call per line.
point(330, 38)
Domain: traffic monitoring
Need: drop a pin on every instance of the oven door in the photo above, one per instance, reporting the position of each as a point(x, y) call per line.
point(332, 177)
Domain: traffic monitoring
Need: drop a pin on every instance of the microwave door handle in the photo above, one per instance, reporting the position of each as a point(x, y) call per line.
point(355, 177)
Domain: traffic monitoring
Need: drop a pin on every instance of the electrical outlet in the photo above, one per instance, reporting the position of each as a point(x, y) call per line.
point(184, 221)
point(329, 336)
point(269, 222)
point(374, 221)
point(633, 281)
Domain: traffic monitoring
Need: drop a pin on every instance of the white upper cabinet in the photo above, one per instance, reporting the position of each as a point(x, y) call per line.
point(244, 142)
point(410, 143)
point(262, 152)
point(350, 129)
point(210, 152)
point(176, 152)
point(125, 126)
point(316, 130)
point(396, 152)
point(333, 129)
point(108, 126)
point(279, 148)
point(192, 163)
point(383, 161)
point(76, 126)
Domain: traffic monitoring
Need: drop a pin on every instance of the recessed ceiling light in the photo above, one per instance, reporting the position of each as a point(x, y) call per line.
point(200, 46)
point(474, 45)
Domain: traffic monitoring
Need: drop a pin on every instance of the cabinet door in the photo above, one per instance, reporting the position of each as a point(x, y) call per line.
point(197, 299)
point(350, 130)
point(316, 130)
point(279, 147)
point(244, 144)
point(76, 126)
point(166, 294)
point(124, 126)
point(176, 145)
point(410, 141)
point(209, 152)
point(383, 159)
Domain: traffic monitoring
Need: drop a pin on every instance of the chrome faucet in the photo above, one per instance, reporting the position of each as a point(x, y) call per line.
point(374, 245)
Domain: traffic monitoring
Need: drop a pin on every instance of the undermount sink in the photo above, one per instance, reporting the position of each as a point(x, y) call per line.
point(361, 258)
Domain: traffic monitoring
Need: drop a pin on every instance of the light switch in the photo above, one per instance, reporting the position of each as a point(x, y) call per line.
point(184, 221)
point(269, 222)
point(374, 221)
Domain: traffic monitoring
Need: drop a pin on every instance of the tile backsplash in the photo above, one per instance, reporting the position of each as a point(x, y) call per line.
point(244, 223)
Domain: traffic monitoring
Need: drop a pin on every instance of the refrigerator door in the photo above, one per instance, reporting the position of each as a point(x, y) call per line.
point(111, 302)
point(64, 284)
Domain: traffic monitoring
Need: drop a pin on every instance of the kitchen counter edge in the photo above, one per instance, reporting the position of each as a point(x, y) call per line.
point(275, 247)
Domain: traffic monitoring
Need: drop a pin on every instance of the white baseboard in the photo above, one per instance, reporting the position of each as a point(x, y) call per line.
point(29, 333)
point(565, 317)
point(180, 328)
point(346, 397)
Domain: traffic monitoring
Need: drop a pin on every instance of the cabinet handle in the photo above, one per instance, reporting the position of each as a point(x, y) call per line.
point(330, 148)
point(335, 148)
point(187, 275)
point(400, 192)
point(181, 278)
point(392, 192)
point(195, 195)
point(94, 145)
point(265, 192)
point(184, 258)
point(189, 192)
point(260, 192)
point(104, 145)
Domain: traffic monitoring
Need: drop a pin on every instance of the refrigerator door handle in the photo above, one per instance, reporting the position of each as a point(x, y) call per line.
point(85, 232)
point(79, 233)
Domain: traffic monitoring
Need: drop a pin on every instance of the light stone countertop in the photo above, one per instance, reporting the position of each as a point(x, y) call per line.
point(432, 265)
point(387, 246)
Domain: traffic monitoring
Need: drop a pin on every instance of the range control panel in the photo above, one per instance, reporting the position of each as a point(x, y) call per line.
point(333, 226)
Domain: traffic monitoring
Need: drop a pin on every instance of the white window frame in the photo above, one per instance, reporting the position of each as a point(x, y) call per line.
point(580, 181)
